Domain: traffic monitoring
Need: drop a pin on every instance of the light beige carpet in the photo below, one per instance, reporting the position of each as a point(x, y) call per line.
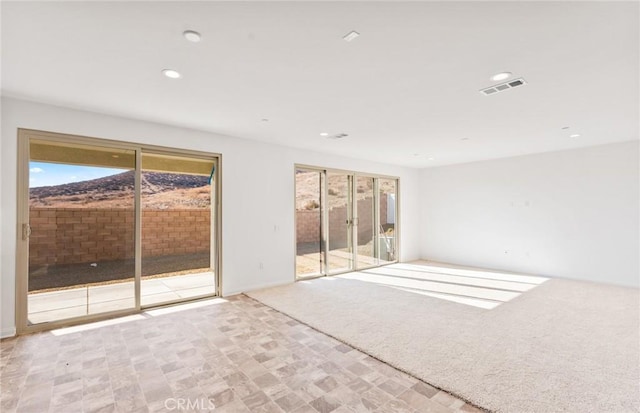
point(558, 346)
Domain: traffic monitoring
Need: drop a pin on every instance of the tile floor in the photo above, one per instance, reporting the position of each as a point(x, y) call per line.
point(222, 355)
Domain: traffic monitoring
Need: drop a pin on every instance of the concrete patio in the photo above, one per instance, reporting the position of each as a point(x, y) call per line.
point(77, 302)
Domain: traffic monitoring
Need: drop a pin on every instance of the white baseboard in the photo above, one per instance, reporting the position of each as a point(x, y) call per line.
point(256, 287)
point(7, 332)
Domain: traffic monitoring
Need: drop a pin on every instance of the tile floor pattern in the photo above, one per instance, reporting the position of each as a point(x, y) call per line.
point(235, 352)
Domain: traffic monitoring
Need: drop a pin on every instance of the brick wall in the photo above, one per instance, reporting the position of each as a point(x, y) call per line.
point(308, 222)
point(81, 235)
point(308, 225)
point(169, 232)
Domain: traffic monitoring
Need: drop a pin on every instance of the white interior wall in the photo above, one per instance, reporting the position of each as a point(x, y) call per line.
point(570, 214)
point(257, 192)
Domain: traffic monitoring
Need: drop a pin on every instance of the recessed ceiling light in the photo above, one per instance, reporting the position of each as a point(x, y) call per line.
point(324, 134)
point(171, 74)
point(350, 36)
point(501, 76)
point(575, 135)
point(192, 36)
point(431, 158)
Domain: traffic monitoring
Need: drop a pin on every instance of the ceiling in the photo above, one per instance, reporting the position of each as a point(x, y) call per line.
point(405, 91)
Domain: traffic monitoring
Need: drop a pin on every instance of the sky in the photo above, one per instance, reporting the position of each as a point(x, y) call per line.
point(48, 174)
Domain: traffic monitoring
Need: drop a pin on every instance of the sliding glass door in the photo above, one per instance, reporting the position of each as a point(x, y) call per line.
point(81, 230)
point(176, 196)
point(110, 228)
point(309, 226)
point(366, 222)
point(343, 221)
point(387, 195)
point(340, 222)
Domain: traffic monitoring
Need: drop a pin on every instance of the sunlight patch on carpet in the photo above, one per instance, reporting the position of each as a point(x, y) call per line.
point(531, 345)
point(482, 289)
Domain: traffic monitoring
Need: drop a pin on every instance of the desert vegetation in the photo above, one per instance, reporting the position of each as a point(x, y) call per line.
point(308, 188)
point(159, 191)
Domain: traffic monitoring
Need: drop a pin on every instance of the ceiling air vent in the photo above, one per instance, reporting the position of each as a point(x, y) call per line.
point(338, 136)
point(503, 86)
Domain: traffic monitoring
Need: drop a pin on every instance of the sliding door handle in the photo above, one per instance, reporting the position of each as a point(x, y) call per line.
point(26, 231)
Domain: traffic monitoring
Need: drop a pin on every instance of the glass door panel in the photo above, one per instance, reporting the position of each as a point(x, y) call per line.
point(309, 225)
point(344, 222)
point(366, 222)
point(177, 241)
point(387, 190)
point(82, 232)
point(339, 209)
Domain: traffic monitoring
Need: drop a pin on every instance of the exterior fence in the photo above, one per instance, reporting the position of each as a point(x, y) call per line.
point(86, 235)
point(82, 235)
point(308, 222)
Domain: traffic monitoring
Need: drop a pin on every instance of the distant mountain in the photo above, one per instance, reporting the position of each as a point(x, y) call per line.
point(160, 190)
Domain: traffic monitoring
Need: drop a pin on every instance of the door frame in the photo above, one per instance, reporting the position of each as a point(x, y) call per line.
point(350, 220)
point(22, 215)
point(324, 230)
point(323, 222)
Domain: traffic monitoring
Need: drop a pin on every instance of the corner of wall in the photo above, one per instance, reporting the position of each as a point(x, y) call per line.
point(8, 332)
